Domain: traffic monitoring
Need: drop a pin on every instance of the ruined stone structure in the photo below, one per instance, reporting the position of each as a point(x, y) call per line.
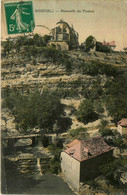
point(122, 126)
point(63, 36)
point(81, 159)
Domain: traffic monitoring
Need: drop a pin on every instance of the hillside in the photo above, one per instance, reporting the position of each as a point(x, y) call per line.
point(66, 95)
point(73, 83)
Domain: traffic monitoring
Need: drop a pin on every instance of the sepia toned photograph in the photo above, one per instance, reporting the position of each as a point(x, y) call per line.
point(64, 97)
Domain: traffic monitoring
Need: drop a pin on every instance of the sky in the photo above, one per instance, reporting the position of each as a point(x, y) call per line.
point(105, 19)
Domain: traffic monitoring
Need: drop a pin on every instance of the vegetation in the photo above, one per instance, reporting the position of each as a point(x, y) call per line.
point(115, 139)
point(102, 48)
point(86, 112)
point(106, 132)
point(125, 49)
point(115, 98)
point(95, 68)
point(38, 45)
point(113, 94)
point(35, 109)
point(103, 123)
point(79, 132)
point(8, 45)
point(109, 168)
point(45, 140)
point(55, 161)
point(90, 43)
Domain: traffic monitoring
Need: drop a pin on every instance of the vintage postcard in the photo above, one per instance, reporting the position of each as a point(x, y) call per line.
point(64, 97)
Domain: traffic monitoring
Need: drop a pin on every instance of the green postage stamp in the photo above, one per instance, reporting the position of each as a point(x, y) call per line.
point(19, 17)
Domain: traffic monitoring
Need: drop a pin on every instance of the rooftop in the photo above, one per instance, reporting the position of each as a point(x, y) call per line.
point(84, 150)
point(72, 143)
point(123, 122)
point(109, 43)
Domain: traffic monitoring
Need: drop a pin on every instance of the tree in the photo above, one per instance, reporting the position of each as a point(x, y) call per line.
point(38, 41)
point(79, 133)
point(90, 42)
point(125, 49)
point(86, 112)
point(102, 48)
point(36, 110)
point(115, 98)
point(46, 39)
point(8, 46)
point(103, 123)
point(19, 43)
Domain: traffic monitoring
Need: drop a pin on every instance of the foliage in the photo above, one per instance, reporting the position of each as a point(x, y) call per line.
point(109, 168)
point(54, 166)
point(125, 49)
point(79, 131)
point(55, 150)
point(8, 46)
point(94, 93)
point(35, 109)
point(19, 43)
point(86, 112)
point(102, 48)
point(45, 141)
point(106, 132)
point(55, 162)
point(103, 123)
point(99, 108)
point(46, 39)
point(116, 139)
point(115, 98)
point(118, 142)
point(93, 184)
point(90, 42)
point(95, 68)
point(35, 41)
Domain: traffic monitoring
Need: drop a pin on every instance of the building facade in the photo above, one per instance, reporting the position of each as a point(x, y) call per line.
point(80, 160)
point(63, 36)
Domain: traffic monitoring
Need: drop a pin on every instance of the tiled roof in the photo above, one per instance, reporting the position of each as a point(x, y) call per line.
point(110, 43)
point(123, 122)
point(83, 150)
point(72, 143)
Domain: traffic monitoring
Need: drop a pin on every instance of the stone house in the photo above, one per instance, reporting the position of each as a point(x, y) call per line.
point(81, 159)
point(112, 44)
point(63, 36)
point(122, 126)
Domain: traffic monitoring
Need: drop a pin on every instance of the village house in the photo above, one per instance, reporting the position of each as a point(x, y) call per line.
point(122, 126)
point(81, 159)
point(63, 36)
point(112, 44)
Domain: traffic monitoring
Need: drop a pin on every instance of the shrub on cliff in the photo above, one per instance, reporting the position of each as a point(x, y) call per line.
point(86, 112)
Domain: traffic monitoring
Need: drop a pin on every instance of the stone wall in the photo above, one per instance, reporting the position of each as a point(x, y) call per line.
point(71, 170)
